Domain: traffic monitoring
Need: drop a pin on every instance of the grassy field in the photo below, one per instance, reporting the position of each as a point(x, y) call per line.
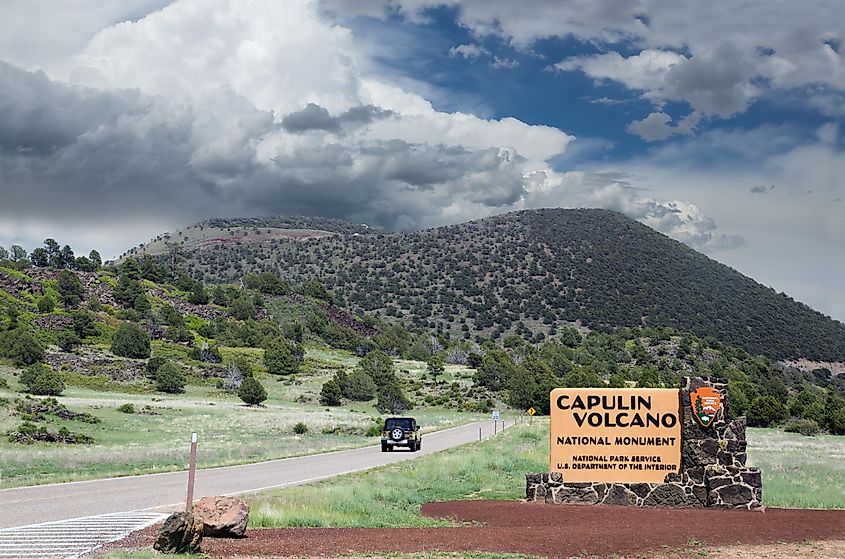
point(799, 471)
point(230, 433)
point(392, 495)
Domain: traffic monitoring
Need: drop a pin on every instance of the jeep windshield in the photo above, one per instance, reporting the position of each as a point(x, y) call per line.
point(406, 424)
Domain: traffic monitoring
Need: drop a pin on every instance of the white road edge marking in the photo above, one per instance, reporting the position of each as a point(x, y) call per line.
point(125, 524)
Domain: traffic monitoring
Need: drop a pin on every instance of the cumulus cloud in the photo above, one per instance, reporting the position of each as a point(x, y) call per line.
point(315, 117)
point(726, 55)
point(268, 108)
point(658, 126)
point(715, 82)
point(469, 50)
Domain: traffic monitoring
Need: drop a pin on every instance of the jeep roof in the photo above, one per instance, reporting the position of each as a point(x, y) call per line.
point(403, 422)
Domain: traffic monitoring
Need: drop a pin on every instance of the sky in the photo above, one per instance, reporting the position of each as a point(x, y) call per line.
point(716, 123)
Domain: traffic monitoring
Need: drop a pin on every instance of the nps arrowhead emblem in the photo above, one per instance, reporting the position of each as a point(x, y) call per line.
point(705, 405)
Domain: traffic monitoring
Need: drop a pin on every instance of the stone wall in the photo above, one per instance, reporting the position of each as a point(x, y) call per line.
point(713, 471)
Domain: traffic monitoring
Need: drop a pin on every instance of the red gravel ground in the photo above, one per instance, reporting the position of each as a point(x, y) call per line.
point(543, 530)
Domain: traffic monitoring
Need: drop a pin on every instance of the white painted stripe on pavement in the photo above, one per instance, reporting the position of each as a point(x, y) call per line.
point(69, 539)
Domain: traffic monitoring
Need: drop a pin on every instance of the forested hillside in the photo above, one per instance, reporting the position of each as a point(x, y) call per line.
point(528, 273)
point(140, 327)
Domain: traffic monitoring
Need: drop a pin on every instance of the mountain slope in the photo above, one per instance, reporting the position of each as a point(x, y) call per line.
point(528, 272)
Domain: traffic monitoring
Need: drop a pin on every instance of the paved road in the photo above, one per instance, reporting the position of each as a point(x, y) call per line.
point(45, 503)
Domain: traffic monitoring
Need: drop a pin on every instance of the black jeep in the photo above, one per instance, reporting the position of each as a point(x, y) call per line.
point(401, 431)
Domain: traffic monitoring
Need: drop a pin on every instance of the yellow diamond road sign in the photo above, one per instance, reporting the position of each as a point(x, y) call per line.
point(531, 411)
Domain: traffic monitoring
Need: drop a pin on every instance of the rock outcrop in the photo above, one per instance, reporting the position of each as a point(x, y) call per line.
point(223, 517)
point(180, 533)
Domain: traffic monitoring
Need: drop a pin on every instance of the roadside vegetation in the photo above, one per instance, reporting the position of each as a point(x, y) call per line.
point(391, 496)
point(797, 473)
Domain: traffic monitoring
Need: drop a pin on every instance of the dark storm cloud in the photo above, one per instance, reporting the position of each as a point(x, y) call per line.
point(70, 154)
point(39, 116)
point(315, 117)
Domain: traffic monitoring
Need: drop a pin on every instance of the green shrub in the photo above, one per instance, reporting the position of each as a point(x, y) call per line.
point(358, 386)
point(376, 427)
point(300, 428)
point(153, 365)
point(130, 341)
point(41, 380)
point(331, 394)
point(282, 357)
point(766, 411)
point(251, 391)
point(21, 346)
point(126, 408)
point(142, 304)
point(46, 304)
point(67, 340)
point(804, 426)
point(170, 379)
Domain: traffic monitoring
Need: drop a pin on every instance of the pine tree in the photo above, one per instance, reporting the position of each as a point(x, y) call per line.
point(251, 391)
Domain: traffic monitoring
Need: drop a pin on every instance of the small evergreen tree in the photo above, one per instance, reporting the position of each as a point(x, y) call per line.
point(41, 380)
point(251, 391)
point(358, 386)
point(46, 304)
point(282, 357)
point(766, 411)
point(21, 346)
point(435, 366)
point(330, 395)
point(130, 341)
point(70, 289)
point(391, 399)
point(95, 259)
point(68, 340)
point(83, 324)
point(142, 304)
point(153, 365)
point(170, 379)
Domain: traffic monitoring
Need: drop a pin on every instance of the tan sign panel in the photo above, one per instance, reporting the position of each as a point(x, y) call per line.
point(624, 435)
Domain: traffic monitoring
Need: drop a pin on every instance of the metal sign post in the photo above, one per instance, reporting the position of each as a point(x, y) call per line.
point(192, 470)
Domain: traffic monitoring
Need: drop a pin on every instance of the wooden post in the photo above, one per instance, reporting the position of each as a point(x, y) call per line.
point(479, 433)
point(192, 470)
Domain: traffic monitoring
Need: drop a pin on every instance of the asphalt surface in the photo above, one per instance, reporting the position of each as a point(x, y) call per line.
point(154, 492)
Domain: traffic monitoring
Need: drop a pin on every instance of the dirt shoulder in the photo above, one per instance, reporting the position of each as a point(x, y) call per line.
point(559, 531)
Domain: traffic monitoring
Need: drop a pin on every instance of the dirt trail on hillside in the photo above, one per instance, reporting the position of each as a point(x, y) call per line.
point(544, 530)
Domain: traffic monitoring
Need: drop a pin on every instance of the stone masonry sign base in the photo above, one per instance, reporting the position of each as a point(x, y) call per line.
point(713, 471)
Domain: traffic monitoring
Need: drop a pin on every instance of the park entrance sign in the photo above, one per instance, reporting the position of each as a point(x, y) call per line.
point(647, 448)
point(615, 435)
